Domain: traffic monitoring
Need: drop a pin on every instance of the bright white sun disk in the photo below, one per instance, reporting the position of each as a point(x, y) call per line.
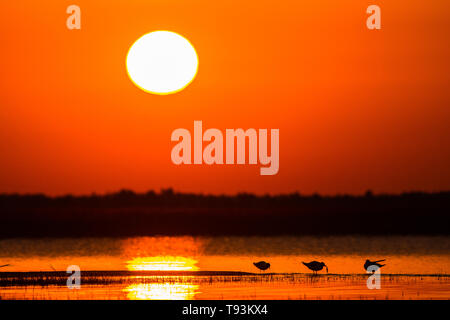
point(162, 62)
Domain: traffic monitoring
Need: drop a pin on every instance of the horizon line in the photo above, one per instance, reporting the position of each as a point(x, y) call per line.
point(166, 191)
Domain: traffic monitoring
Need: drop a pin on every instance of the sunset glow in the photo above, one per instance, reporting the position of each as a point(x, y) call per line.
point(230, 152)
point(356, 108)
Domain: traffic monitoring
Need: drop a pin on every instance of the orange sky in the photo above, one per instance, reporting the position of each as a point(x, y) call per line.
point(356, 109)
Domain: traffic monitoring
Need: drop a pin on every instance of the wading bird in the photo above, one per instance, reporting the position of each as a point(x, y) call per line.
point(373, 263)
point(262, 265)
point(315, 266)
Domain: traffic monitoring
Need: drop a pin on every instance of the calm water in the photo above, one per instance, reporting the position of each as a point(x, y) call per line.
point(405, 257)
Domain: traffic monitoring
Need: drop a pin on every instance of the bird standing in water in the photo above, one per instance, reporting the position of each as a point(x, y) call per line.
point(315, 266)
point(373, 263)
point(262, 265)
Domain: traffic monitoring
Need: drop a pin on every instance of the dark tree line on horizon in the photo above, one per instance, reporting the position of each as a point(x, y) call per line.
point(168, 197)
point(126, 213)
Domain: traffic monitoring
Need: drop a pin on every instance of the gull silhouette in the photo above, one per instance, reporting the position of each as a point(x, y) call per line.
point(369, 263)
point(315, 266)
point(262, 265)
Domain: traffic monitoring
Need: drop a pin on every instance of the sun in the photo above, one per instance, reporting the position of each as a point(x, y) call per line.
point(162, 62)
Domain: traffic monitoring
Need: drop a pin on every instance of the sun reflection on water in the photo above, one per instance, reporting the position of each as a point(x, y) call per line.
point(162, 291)
point(162, 263)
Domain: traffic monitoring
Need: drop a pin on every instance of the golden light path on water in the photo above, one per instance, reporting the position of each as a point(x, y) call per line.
point(162, 263)
point(162, 291)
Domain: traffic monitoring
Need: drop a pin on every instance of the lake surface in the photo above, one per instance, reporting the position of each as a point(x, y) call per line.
point(416, 267)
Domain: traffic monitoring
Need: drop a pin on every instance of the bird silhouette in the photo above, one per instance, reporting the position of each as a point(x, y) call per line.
point(5, 265)
point(369, 263)
point(262, 265)
point(315, 266)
